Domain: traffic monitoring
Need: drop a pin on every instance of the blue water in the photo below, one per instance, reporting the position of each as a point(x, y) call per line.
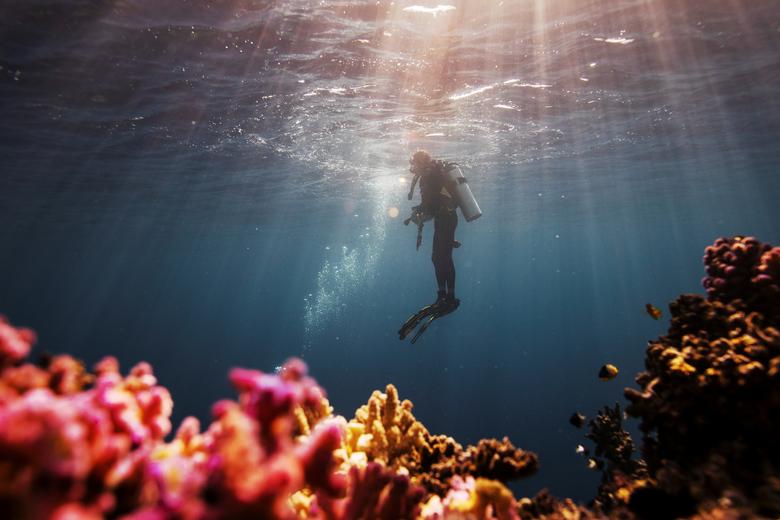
point(209, 184)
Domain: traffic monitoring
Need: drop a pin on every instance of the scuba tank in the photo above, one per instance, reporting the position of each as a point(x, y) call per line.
point(462, 192)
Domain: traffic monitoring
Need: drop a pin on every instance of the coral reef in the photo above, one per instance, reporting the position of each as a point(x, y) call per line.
point(75, 444)
point(385, 430)
point(92, 445)
point(84, 445)
point(711, 390)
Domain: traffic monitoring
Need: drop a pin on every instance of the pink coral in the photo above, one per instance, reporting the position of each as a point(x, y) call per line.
point(15, 343)
point(179, 470)
point(137, 404)
point(730, 265)
point(374, 492)
point(71, 452)
point(255, 463)
point(63, 375)
point(52, 446)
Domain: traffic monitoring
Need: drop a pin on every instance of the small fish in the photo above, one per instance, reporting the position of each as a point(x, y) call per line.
point(608, 372)
point(653, 311)
point(582, 450)
point(595, 464)
point(577, 419)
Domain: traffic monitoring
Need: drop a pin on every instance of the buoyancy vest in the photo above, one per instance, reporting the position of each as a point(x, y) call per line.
point(433, 188)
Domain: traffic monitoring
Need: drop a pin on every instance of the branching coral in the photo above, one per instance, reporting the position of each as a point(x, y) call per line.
point(614, 448)
point(68, 448)
point(374, 493)
point(438, 463)
point(498, 460)
point(385, 430)
point(613, 443)
point(61, 449)
point(63, 375)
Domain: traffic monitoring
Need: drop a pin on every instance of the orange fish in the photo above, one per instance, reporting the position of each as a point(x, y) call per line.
point(608, 372)
point(653, 311)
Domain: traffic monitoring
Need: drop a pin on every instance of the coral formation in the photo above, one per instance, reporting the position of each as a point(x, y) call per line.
point(75, 444)
point(93, 445)
point(385, 430)
point(374, 492)
point(477, 498)
point(544, 506)
point(498, 460)
point(15, 343)
point(711, 390)
point(612, 442)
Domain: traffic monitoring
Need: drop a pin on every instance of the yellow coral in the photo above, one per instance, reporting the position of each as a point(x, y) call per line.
point(306, 418)
point(485, 494)
point(387, 432)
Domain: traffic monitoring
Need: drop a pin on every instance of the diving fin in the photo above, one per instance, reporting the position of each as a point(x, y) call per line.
point(439, 309)
point(442, 309)
point(414, 320)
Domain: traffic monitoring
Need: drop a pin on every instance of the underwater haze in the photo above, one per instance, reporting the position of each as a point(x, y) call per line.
point(209, 184)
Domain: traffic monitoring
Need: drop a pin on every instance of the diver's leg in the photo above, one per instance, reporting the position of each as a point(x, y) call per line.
point(450, 278)
point(451, 224)
point(439, 258)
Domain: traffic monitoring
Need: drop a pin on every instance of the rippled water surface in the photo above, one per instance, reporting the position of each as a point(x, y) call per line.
point(209, 184)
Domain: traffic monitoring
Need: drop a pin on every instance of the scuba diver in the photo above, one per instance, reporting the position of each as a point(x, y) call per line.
point(443, 188)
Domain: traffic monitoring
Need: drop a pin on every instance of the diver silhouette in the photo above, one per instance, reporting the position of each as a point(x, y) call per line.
point(443, 189)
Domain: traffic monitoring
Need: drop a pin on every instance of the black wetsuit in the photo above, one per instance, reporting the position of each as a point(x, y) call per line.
point(437, 201)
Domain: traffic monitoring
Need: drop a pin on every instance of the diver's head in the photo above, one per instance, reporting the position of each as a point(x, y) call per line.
point(420, 161)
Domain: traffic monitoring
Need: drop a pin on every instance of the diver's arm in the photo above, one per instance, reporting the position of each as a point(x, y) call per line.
point(414, 184)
